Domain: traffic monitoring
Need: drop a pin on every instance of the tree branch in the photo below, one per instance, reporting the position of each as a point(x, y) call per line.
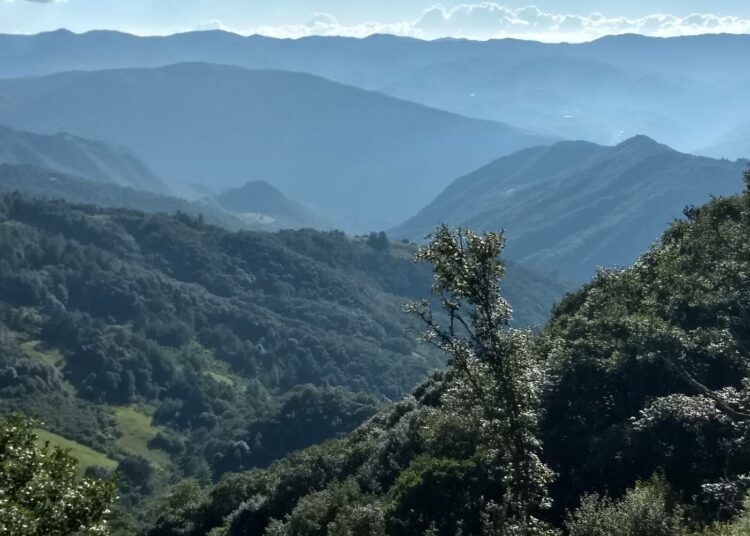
point(695, 384)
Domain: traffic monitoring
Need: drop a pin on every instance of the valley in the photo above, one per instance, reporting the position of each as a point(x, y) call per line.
point(382, 285)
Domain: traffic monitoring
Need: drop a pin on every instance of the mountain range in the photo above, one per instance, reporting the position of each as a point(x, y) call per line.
point(575, 205)
point(78, 170)
point(361, 158)
point(94, 160)
point(49, 184)
point(173, 343)
point(603, 91)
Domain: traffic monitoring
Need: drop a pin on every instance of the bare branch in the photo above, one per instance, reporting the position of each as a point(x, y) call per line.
point(695, 384)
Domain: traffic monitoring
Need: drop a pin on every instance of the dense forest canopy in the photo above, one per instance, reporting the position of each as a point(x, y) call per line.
point(160, 347)
point(644, 412)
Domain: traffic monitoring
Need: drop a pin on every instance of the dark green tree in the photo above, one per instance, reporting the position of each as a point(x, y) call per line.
point(378, 241)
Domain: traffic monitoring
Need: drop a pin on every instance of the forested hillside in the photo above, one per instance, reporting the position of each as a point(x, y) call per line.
point(575, 206)
point(164, 347)
point(637, 392)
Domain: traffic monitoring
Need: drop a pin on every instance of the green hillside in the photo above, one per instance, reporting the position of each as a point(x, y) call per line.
point(643, 409)
point(174, 348)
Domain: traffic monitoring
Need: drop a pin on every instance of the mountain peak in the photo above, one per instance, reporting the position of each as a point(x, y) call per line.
point(641, 142)
point(264, 202)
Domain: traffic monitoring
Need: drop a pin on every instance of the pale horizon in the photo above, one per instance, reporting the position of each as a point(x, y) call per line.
point(552, 22)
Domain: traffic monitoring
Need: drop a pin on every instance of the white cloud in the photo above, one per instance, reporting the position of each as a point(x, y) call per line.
point(214, 24)
point(489, 20)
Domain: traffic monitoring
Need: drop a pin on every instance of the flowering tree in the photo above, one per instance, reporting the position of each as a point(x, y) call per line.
point(41, 493)
point(497, 376)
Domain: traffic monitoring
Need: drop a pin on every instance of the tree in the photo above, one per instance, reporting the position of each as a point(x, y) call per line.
point(645, 510)
point(41, 493)
point(496, 372)
point(378, 241)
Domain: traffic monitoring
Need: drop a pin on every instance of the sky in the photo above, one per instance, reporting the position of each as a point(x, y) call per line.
point(546, 20)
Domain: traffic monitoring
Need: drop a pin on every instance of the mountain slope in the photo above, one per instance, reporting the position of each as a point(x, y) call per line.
point(614, 413)
point(604, 91)
point(574, 206)
point(732, 144)
point(117, 327)
point(360, 158)
point(43, 183)
point(258, 201)
point(177, 348)
point(94, 160)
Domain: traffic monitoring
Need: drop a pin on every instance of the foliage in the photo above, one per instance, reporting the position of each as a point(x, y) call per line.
point(643, 371)
point(497, 374)
point(445, 460)
point(213, 331)
point(644, 511)
point(737, 527)
point(210, 332)
point(378, 241)
point(41, 493)
point(650, 365)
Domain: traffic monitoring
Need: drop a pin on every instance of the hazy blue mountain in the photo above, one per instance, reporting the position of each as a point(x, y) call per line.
point(603, 91)
point(256, 206)
point(257, 202)
point(361, 158)
point(47, 184)
point(573, 206)
point(94, 160)
point(733, 144)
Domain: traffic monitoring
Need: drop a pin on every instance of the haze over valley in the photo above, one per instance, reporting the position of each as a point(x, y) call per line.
point(477, 269)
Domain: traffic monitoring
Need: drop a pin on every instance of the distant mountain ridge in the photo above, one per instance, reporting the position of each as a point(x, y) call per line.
point(259, 202)
point(49, 184)
point(94, 160)
point(732, 144)
point(573, 206)
point(361, 158)
point(604, 91)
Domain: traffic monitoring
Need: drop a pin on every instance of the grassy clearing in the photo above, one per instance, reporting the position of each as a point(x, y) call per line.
point(221, 378)
point(86, 456)
point(137, 431)
point(33, 349)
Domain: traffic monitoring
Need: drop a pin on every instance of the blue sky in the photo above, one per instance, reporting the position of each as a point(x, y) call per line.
point(551, 20)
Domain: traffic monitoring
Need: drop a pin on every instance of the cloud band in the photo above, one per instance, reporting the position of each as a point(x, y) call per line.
point(488, 20)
